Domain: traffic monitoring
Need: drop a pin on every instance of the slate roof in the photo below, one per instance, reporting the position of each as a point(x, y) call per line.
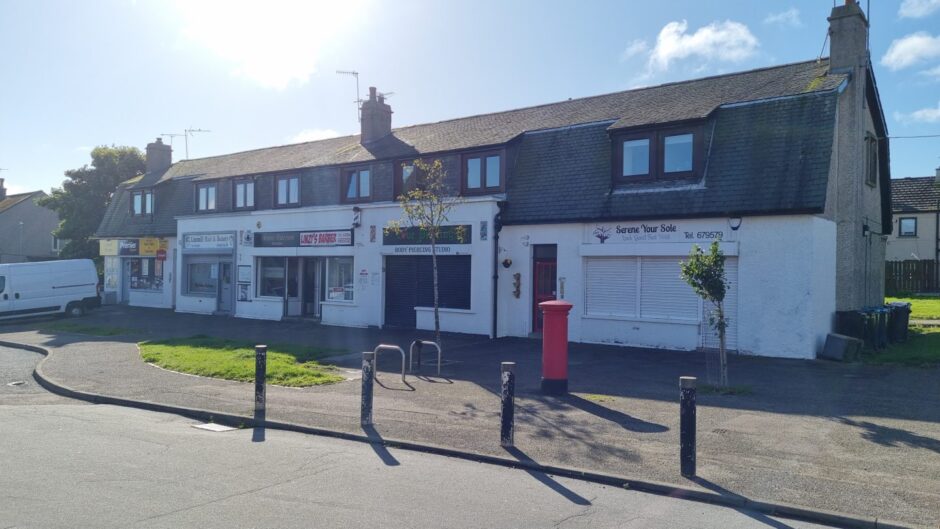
point(12, 200)
point(910, 195)
point(685, 100)
point(766, 157)
point(171, 199)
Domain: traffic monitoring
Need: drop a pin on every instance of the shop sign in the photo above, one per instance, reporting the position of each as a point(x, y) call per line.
point(635, 232)
point(149, 246)
point(108, 247)
point(425, 249)
point(294, 239)
point(209, 241)
point(414, 235)
point(161, 255)
point(128, 247)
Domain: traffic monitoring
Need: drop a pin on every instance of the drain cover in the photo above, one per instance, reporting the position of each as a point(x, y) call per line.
point(213, 427)
point(17, 383)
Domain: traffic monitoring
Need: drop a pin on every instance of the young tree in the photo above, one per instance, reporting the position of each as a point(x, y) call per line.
point(705, 273)
point(426, 207)
point(85, 195)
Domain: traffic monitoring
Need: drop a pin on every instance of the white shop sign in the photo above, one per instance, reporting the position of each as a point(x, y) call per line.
point(703, 232)
point(425, 249)
point(326, 238)
point(209, 241)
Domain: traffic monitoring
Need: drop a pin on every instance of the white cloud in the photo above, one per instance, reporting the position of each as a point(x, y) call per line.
point(313, 135)
point(14, 189)
point(790, 17)
point(726, 41)
point(910, 50)
point(933, 72)
point(637, 47)
point(924, 115)
point(273, 43)
point(918, 8)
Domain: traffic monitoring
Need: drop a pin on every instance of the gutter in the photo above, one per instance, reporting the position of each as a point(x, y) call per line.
point(497, 227)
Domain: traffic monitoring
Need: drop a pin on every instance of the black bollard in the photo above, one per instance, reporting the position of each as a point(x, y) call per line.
point(368, 377)
point(507, 397)
point(261, 371)
point(687, 425)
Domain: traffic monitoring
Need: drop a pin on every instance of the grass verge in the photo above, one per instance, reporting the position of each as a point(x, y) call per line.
point(288, 365)
point(82, 328)
point(922, 349)
point(922, 307)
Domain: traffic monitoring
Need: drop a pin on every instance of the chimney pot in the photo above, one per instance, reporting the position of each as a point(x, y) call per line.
point(159, 156)
point(937, 170)
point(372, 93)
point(3, 190)
point(376, 118)
point(848, 38)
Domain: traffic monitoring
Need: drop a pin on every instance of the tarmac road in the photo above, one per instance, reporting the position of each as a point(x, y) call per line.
point(68, 465)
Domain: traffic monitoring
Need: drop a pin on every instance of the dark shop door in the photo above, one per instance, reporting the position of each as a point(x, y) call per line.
point(544, 279)
point(401, 278)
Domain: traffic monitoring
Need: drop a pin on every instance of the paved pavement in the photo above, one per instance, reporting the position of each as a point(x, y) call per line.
point(71, 465)
point(851, 438)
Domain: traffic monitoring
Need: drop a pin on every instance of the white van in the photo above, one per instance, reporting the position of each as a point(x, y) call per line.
point(48, 287)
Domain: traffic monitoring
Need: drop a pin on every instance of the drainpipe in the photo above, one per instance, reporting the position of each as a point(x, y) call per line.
point(497, 227)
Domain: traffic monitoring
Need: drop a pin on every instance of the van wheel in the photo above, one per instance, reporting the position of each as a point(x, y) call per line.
point(74, 310)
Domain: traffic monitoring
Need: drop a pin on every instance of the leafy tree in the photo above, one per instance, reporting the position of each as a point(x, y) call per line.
point(705, 273)
point(85, 195)
point(426, 208)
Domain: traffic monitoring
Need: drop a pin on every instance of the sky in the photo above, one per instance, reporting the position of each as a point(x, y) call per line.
point(74, 75)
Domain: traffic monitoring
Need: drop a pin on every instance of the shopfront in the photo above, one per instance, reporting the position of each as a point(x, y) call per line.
point(207, 273)
point(138, 272)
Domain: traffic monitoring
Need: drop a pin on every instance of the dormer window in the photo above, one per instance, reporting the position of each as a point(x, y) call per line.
point(244, 194)
point(482, 173)
point(142, 203)
point(288, 191)
point(357, 185)
point(205, 196)
point(649, 156)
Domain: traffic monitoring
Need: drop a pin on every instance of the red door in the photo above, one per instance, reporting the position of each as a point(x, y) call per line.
point(544, 280)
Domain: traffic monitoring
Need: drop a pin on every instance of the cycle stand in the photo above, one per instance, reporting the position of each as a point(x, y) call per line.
point(386, 347)
point(420, 343)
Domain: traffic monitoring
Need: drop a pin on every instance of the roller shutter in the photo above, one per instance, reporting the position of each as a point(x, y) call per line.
point(409, 283)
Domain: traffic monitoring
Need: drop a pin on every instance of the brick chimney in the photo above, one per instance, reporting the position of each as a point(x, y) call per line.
point(3, 190)
point(376, 118)
point(848, 37)
point(159, 156)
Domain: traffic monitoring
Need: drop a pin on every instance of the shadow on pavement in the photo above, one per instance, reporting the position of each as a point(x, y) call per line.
point(625, 421)
point(379, 447)
point(887, 436)
point(545, 479)
point(762, 518)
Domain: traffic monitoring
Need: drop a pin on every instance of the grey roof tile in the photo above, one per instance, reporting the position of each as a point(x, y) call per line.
point(910, 195)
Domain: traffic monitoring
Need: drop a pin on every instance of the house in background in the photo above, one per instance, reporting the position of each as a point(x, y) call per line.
point(26, 228)
point(913, 248)
point(593, 200)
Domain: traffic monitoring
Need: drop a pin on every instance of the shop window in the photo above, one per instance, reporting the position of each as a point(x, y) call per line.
point(907, 227)
point(3, 283)
point(271, 274)
point(205, 196)
point(244, 194)
point(482, 173)
point(611, 289)
point(141, 203)
point(340, 283)
point(288, 191)
point(672, 154)
point(202, 278)
point(610, 286)
point(357, 184)
point(146, 274)
point(664, 294)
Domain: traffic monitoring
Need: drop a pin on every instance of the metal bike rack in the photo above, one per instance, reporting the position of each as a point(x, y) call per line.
point(386, 347)
point(411, 353)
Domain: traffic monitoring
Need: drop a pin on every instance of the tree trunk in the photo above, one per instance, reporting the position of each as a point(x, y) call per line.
point(437, 314)
point(722, 352)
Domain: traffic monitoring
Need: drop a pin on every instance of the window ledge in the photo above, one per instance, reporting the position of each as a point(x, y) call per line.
point(636, 319)
point(339, 303)
point(442, 309)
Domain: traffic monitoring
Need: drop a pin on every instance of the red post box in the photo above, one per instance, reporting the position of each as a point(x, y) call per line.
point(555, 346)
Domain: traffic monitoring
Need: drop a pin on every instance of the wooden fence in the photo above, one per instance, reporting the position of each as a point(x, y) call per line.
point(910, 277)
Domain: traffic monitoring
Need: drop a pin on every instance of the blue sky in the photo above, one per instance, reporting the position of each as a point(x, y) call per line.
point(80, 74)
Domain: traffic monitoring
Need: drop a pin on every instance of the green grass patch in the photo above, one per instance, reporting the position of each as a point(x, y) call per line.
point(598, 398)
point(922, 349)
point(710, 389)
point(288, 365)
point(81, 328)
point(922, 307)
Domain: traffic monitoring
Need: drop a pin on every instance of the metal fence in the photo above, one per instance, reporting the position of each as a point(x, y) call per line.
point(910, 277)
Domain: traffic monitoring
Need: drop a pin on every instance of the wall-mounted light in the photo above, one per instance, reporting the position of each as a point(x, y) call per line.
point(507, 262)
point(735, 223)
point(865, 230)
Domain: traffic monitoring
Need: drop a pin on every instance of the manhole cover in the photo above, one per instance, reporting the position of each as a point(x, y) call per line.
point(213, 427)
point(17, 383)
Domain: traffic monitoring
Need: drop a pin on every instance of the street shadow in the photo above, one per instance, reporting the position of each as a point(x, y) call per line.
point(756, 516)
point(545, 479)
point(893, 437)
point(408, 387)
point(627, 422)
point(257, 434)
point(434, 380)
point(378, 446)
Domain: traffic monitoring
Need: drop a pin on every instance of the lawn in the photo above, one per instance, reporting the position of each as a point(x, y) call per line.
point(922, 307)
point(288, 365)
point(82, 328)
point(922, 349)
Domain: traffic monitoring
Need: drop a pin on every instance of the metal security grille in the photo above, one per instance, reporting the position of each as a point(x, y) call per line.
point(409, 283)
